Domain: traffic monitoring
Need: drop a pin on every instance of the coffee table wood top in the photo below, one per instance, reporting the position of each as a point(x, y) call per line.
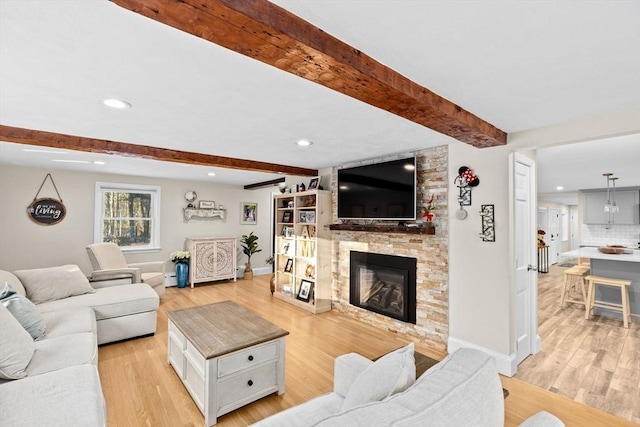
point(223, 327)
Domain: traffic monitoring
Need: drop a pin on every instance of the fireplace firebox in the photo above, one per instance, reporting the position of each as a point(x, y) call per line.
point(385, 284)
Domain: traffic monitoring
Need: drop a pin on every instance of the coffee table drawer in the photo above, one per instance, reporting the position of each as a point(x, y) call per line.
point(236, 388)
point(248, 358)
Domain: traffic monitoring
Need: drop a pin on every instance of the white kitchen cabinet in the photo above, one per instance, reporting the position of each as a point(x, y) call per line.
point(593, 208)
point(628, 202)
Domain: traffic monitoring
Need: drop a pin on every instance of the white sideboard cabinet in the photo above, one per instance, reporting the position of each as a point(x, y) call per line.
point(212, 258)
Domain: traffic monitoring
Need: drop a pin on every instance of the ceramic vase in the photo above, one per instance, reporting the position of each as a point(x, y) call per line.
point(182, 273)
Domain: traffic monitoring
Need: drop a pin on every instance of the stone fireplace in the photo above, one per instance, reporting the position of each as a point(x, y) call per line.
point(385, 284)
point(431, 252)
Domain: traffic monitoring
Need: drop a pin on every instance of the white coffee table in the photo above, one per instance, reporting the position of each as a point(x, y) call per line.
point(226, 356)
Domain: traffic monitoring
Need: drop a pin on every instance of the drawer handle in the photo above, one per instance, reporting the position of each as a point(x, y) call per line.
point(250, 383)
point(250, 358)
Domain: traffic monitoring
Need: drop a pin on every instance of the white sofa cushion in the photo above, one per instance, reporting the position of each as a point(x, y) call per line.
point(308, 413)
point(54, 283)
point(110, 302)
point(462, 390)
point(24, 311)
point(69, 321)
point(62, 352)
point(373, 414)
point(64, 398)
point(392, 373)
point(16, 347)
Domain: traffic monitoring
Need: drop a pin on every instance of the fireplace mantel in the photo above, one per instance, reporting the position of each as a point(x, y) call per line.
point(376, 228)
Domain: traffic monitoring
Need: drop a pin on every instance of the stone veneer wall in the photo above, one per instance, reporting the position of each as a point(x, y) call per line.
point(432, 252)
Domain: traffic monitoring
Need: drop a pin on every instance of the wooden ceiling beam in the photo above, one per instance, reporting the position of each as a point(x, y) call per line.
point(266, 32)
point(92, 145)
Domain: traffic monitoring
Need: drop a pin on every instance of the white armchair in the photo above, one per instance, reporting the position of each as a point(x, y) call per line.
point(109, 264)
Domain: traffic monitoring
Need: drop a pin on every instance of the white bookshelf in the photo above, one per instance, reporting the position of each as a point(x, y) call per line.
point(303, 249)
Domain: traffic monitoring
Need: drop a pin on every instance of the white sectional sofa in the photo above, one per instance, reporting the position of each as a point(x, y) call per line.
point(462, 390)
point(49, 350)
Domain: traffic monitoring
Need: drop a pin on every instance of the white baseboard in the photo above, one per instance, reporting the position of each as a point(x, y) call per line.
point(260, 271)
point(506, 363)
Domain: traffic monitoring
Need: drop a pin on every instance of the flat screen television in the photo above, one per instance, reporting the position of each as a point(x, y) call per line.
point(384, 191)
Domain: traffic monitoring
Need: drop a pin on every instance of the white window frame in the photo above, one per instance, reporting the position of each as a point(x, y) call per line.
point(154, 190)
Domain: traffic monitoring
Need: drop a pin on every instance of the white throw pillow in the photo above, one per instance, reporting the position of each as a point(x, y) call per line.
point(16, 347)
point(24, 311)
point(391, 374)
point(54, 283)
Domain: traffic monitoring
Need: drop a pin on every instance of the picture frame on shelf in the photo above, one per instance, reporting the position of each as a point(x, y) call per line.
point(314, 183)
point(288, 266)
point(285, 230)
point(206, 204)
point(249, 213)
point(304, 290)
point(310, 217)
point(287, 216)
point(291, 232)
point(284, 249)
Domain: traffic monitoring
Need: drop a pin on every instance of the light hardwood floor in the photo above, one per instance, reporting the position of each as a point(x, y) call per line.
point(141, 389)
point(596, 361)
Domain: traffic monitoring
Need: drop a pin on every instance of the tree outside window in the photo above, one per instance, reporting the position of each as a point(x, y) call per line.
point(127, 215)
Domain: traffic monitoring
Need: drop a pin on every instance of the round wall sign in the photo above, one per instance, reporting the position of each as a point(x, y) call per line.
point(47, 211)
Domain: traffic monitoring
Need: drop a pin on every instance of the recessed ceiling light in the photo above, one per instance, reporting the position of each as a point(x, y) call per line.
point(559, 188)
point(116, 103)
point(211, 174)
point(304, 143)
point(98, 162)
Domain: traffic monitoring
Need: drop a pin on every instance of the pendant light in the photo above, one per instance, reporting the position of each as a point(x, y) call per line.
point(614, 206)
point(607, 205)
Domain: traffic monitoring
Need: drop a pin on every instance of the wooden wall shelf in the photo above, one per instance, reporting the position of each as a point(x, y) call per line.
point(383, 228)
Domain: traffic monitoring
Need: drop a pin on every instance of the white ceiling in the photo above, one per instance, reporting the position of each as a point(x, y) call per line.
point(517, 64)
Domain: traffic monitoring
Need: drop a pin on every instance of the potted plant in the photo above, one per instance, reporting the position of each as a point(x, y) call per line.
point(249, 243)
point(181, 258)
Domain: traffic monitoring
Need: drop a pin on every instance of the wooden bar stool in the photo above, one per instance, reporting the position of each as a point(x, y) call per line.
point(575, 277)
point(623, 308)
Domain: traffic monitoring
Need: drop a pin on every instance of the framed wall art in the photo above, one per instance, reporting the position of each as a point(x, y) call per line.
point(249, 213)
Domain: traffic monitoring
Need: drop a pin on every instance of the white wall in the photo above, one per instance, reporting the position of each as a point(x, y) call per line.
point(480, 274)
point(25, 244)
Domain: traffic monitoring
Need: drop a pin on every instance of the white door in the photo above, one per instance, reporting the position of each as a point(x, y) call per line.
point(526, 256)
point(554, 235)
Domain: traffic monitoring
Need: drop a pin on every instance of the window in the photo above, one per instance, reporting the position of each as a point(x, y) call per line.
point(128, 215)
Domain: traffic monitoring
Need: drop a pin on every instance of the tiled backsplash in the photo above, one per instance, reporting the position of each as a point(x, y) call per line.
point(601, 235)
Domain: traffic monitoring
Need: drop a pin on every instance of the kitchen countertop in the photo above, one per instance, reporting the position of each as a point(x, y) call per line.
point(630, 255)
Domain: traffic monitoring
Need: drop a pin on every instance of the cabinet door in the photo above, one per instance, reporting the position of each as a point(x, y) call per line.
point(627, 201)
point(223, 263)
point(594, 208)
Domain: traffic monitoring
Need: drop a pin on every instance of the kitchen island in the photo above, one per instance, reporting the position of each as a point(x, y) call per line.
point(614, 266)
